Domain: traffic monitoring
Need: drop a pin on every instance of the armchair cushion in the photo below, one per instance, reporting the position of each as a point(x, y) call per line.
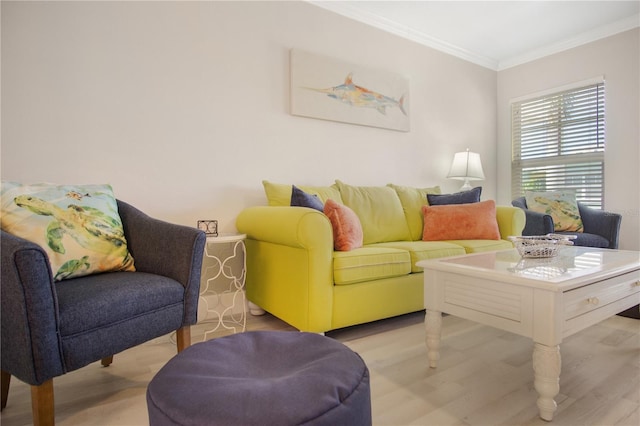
point(78, 226)
point(586, 239)
point(96, 312)
point(87, 303)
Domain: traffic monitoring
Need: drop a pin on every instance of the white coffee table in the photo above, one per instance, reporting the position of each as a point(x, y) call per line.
point(544, 299)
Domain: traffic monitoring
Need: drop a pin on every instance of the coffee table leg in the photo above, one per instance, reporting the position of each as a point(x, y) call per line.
point(433, 326)
point(546, 368)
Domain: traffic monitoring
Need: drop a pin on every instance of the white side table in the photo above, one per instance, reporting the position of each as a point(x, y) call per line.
point(225, 308)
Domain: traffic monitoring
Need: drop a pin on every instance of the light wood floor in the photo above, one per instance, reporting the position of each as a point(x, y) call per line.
point(485, 377)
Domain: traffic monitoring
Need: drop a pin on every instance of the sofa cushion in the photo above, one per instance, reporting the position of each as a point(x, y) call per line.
point(477, 246)
point(279, 194)
point(299, 198)
point(379, 210)
point(412, 200)
point(476, 221)
point(323, 192)
point(78, 226)
point(560, 205)
point(347, 230)
point(463, 197)
point(424, 250)
point(369, 263)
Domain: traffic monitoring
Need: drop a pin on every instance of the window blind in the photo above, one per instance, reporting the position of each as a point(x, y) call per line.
point(558, 143)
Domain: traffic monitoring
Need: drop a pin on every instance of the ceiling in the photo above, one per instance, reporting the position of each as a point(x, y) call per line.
point(495, 34)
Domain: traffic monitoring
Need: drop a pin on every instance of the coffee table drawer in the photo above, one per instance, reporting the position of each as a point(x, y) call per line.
point(597, 295)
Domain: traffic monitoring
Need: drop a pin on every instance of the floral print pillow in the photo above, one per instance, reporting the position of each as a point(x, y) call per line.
point(560, 205)
point(78, 226)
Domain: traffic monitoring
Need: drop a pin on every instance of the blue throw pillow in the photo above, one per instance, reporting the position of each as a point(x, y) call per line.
point(464, 197)
point(299, 198)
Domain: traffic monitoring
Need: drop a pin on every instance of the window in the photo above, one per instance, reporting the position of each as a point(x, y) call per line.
point(558, 143)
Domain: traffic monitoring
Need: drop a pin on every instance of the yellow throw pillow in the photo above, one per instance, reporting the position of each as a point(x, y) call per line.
point(560, 205)
point(78, 226)
point(412, 200)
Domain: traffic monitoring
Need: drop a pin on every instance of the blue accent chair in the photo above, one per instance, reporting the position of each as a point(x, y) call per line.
point(601, 229)
point(52, 328)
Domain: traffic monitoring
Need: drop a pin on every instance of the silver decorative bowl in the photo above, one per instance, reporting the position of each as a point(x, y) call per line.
point(537, 246)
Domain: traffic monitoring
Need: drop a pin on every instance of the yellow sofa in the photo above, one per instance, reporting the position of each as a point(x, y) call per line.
point(294, 273)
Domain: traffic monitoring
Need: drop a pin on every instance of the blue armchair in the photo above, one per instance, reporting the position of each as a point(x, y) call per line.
point(52, 328)
point(601, 228)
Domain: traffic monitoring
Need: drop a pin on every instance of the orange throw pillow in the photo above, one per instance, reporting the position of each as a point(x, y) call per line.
point(347, 229)
point(475, 221)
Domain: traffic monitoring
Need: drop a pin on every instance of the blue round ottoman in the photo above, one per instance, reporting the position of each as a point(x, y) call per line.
point(262, 378)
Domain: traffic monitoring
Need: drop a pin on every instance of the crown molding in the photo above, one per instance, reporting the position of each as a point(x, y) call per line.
point(392, 27)
point(347, 10)
point(584, 38)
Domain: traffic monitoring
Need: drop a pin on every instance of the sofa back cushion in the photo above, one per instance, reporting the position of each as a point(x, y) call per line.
point(412, 200)
point(379, 210)
point(279, 194)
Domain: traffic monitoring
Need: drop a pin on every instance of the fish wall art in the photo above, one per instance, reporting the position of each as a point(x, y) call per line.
point(330, 89)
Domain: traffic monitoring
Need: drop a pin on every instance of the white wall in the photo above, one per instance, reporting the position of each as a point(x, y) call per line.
point(183, 106)
point(617, 58)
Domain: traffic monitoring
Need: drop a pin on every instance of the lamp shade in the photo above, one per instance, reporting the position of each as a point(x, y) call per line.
point(466, 166)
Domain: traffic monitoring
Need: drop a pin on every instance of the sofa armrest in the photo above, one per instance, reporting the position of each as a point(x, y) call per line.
point(601, 223)
point(166, 249)
point(29, 312)
point(290, 226)
point(538, 223)
point(290, 264)
point(511, 221)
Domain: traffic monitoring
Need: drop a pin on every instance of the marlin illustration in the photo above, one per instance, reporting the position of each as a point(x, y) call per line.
point(354, 95)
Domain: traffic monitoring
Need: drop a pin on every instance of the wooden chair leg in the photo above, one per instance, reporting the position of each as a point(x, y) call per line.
point(183, 337)
point(5, 380)
point(107, 361)
point(42, 404)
